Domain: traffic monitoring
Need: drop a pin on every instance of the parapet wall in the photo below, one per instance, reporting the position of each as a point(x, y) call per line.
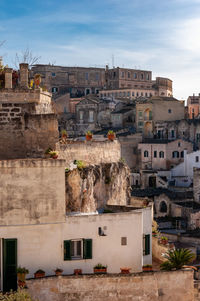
point(151, 286)
point(94, 152)
point(32, 191)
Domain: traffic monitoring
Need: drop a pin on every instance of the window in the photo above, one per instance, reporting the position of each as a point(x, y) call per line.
point(197, 159)
point(169, 111)
point(128, 93)
point(147, 76)
point(142, 76)
point(97, 76)
point(198, 136)
point(150, 115)
point(53, 74)
point(175, 154)
point(141, 93)
point(146, 94)
point(155, 154)
point(133, 94)
point(77, 249)
point(161, 154)
point(140, 113)
point(54, 89)
point(86, 76)
point(129, 75)
point(122, 73)
point(137, 94)
point(179, 144)
point(146, 154)
point(146, 244)
point(140, 123)
point(123, 241)
point(172, 134)
point(81, 115)
point(135, 75)
point(91, 116)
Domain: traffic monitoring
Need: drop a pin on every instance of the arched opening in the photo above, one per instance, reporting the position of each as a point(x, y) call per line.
point(161, 154)
point(146, 154)
point(163, 207)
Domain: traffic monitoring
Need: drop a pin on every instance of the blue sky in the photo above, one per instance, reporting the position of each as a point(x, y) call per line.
point(162, 36)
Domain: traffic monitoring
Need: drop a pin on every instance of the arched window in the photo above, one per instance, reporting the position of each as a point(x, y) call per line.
point(146, 154)
point(161, 154)
point(163, 207)
point(175, 154)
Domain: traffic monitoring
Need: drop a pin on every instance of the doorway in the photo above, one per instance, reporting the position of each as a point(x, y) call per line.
point(9, 264)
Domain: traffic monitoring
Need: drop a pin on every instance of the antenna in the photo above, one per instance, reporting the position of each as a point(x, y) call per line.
point(113, 61)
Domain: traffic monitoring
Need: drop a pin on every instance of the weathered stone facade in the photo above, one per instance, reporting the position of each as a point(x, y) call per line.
point(156, 286)
point(196, 184)
point(94, 187)
point(28, 125)
point(32, 191)
point(91, 152)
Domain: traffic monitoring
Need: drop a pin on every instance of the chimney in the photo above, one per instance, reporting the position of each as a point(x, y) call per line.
point(8, 78)
point(23, 75)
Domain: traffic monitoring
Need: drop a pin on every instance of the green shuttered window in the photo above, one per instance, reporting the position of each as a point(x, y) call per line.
point(146, 244)
point(78, 249)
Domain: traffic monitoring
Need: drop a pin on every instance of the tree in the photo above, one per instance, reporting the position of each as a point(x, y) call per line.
point(26, 56)
point(176, 259)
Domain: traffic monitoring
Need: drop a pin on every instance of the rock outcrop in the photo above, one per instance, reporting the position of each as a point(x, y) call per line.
point(93, 187)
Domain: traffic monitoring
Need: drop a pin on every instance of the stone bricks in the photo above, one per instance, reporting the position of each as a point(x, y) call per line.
point(157, 286)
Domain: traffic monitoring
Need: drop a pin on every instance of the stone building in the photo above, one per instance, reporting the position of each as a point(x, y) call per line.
point(27, 119)
point(187, 129)
point(78, 81)
point(150, 111)
point(193, 104)
point(163, 154)
point(132, 83)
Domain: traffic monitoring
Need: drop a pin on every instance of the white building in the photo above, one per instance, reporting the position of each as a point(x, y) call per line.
point(183, 173)
point(36, 233)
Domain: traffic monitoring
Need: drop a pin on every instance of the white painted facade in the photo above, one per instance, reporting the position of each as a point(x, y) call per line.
point(42, 246)
point(183, 173)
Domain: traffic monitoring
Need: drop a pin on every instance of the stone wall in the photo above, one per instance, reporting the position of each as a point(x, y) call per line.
point(24, 132)
point(94, 152)
point(196, 184)
point(91, 188)
point(160, 286)
point(32, 191)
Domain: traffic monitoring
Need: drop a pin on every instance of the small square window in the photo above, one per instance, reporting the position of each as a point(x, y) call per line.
point(123, 241)
point(53, 74)
point(169, 111)
point(197, 159)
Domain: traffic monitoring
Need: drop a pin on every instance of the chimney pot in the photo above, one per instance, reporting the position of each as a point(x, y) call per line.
point(8, 78)
point(23, 75)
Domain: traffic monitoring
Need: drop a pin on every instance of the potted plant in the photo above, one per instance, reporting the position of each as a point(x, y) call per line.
point(100, 269)
point(58, 272)
point(39, 273)
point(21, 276)
point(53, 154)
point(164, 240)
point(154, 233)
point(88, 136)
point(111, 135)
point(125, 270)
point(64, 134)
point(47, 152)
point(147, 267)
point(77, 271)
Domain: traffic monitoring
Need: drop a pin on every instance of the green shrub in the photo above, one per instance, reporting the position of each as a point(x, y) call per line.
point(176, 259)
point(20, 295)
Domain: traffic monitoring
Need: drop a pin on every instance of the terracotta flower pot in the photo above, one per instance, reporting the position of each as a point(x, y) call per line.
point(21, 276)
point(111, 137)
point(77, 271)
point(54, 157)
point(125, 270)
point(39, 275)
point(147, 269)
point(88, 137)
point(58, 273)
point(100, 271)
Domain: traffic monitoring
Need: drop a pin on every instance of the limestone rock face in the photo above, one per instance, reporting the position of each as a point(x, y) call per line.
point(93, 187)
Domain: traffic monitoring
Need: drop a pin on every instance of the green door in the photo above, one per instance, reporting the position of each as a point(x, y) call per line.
point(9, 264)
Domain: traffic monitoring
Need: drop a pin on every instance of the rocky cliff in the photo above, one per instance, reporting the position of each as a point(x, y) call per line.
point(93, 187)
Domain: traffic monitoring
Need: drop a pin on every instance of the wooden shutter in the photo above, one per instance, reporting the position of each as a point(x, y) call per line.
point(67, 249)
point(87, 248)
point(147, 244)
point(9, 264)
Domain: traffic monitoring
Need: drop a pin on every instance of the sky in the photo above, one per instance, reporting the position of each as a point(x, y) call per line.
point(157, 35)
